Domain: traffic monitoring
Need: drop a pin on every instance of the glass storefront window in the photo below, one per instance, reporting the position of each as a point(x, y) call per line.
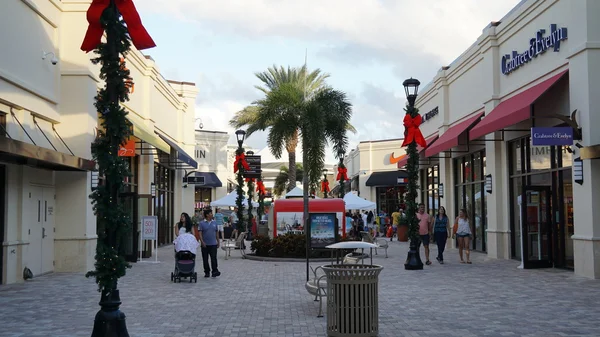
point(515, 149)
point(469, 194)
point(477, 167)
point(517, 221)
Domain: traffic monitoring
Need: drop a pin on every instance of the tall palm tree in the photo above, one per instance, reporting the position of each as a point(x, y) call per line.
point(308, 82)
point(319, 119)
point(281, 181)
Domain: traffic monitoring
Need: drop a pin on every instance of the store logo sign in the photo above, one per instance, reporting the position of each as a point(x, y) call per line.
point(538, 45)
point(551, 136)
point(427, 116)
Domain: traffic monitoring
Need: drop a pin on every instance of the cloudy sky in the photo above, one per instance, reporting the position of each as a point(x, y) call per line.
point(367, 46)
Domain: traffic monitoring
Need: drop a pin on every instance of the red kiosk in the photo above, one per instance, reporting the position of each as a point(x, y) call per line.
point(288, 213)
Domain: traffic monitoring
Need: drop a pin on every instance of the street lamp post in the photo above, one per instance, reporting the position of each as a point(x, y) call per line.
point(325, 184)
point(412, 137)
point(240, 165)
point(342, 173)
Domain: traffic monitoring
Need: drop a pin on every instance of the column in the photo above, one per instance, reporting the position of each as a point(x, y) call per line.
point(584, 81)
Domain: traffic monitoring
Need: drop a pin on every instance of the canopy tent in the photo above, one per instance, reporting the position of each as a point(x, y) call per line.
point(230, 201)
point(296, 192)
point(353, 201)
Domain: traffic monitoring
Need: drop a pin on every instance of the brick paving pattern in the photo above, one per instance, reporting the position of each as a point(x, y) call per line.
point(252, 298)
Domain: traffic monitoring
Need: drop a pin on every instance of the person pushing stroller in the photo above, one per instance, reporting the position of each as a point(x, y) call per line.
point(186, 241)
point(186, 246)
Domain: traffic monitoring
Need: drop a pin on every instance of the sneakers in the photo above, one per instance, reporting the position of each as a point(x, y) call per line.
point(439, 260)
point(216, 274)
point(206, 275)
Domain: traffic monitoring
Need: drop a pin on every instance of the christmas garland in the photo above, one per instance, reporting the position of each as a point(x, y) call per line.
point(412, 169)
point(113, 222)
point(342, 177)
point(260, 188)
point(250, 182)
point(239, 166)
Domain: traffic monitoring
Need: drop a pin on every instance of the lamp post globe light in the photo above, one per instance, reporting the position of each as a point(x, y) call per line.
point(240, 165)
point(412, 137)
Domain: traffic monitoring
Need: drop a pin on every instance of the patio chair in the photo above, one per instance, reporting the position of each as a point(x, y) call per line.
point(228, 245)
point(366, 237)
point(317, 286)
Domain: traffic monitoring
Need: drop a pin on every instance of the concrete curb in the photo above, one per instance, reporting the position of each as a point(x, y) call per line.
point(284, 259)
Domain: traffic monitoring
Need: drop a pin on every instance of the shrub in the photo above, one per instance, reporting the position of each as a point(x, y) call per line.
point(288, 245)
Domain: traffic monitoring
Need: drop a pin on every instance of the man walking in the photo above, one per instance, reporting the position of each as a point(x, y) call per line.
point(210, 244)
point(424, 230)
point(219, 220)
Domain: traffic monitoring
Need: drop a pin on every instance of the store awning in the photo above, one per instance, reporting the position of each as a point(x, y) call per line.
point(428, 142)
point(21, 153)
point(142, 132)
point(449, 139)
point(182, 156)
point(388, 178)
point(206, 179)
point(513, 110)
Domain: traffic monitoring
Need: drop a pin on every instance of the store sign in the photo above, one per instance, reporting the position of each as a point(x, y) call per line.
point(430, 114)
point(195, 180)
point(538, 45)
point(255, 170)
point(543, 136)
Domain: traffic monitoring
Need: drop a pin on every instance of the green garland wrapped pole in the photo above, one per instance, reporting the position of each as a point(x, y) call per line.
point(325, 184)
point(342, 174)
point(239, 166)
point(262, 191)
point(121, 22)
point(412, 138)
point(250, 183)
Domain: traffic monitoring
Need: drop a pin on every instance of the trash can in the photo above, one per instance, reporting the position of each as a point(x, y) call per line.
point(352, 299)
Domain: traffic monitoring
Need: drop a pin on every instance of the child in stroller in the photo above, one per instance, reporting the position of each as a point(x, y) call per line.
point(186, 245)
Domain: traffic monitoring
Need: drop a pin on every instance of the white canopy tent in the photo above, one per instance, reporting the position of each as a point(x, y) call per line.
point(353, 201)
point(229, 201)
point(296, 192)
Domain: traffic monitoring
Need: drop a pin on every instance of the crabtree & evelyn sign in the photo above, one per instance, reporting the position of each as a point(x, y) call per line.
point(537, 46)
point(541, 136)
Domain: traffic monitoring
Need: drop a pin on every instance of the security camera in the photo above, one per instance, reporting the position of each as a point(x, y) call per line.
point(53, 60)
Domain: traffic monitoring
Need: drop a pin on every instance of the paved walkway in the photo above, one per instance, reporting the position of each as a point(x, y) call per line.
point(251, 298)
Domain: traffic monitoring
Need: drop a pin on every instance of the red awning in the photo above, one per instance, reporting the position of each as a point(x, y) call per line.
point(449, 139)
point(513, 110)
point(429, 140)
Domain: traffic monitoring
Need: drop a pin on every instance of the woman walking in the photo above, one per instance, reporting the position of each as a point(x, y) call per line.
point(441, 232)
point(464, 235)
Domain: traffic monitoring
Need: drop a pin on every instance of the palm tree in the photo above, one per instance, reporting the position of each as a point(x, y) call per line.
point(281, 181)
point(307, 82)
point(320, 119)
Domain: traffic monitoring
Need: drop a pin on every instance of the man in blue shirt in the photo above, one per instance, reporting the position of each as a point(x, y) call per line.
point(210, 243)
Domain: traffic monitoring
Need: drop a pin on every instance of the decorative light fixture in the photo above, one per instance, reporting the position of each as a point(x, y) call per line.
point(95, 180)
point(411, 88)
point(153, 189)
point(250, 153)
point(488, 183)
point(578, 170)
point(441, 190)
point(240, 135)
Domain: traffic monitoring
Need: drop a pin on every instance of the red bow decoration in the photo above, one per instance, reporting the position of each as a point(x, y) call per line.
point(260, 188)
point(413, 133)
point(240, 158)
point(249, 180)
point(325, 186)
point(342, 173)
point(139, 36)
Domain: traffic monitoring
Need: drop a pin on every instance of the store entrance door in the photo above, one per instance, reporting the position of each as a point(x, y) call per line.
point(536, 235)
point(129, 246)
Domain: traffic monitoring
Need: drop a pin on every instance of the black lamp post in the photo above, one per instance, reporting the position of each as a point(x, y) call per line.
point(325, 184)
point(341, 177)
point(250, 183)
point(239, 159)
point(413, 260)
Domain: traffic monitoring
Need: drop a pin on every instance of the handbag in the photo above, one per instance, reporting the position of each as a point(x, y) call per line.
point(455, 228)
point(196, 232)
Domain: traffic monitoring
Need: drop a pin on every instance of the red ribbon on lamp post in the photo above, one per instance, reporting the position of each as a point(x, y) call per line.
point(138, 34)
point(240, 158)
point(413, 133)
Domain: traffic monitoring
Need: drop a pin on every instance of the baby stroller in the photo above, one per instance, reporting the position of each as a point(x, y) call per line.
point(185, 264)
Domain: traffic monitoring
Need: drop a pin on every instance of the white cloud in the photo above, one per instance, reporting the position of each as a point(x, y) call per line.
point(443, 28)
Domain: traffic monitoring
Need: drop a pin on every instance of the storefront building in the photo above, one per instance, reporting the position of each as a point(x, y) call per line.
point(373, 174)
point(212, 174)
point(48, 122)
point(512, 129)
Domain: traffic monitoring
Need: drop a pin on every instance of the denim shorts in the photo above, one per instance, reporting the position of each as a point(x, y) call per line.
point(425, 239)
point(463, 235)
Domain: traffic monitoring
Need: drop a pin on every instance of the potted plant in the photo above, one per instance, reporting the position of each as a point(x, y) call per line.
point(403, 228)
